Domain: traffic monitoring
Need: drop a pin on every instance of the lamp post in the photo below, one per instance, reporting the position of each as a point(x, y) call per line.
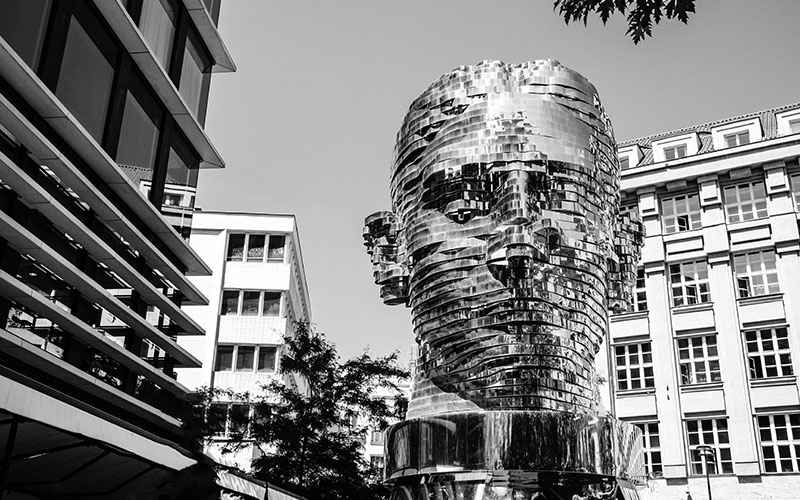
point(707, 451)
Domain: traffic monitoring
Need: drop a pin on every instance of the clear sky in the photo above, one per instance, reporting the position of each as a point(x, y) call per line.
point(307, 123)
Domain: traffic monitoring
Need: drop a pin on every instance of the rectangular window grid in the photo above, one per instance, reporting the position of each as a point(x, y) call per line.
point(640, 292)
point(780, 442)
point(251, 247)
point(737, 139)
point(251, 303)
point(768, 353)
point(228, 420)
point(246, 358)
point(689, 282)
point(680, 213)
point(675, 152)
point(699, 359)
point(651, 442)
point(756, 273)
point(634, 365)
point(745, 201)
point(712, 432)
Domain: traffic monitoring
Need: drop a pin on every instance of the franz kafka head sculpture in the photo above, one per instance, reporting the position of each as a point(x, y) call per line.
point(505, 238)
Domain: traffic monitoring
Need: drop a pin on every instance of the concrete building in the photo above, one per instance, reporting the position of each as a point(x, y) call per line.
point(92, 273)
point(709, 354)
point(256, 290)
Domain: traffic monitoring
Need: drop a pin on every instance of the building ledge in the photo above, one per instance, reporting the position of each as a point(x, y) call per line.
point(774, 381)
point(708, 386)
point(223, 62)
point(633, 393)
point(627, 316)
point(63, 123)
point(690, 308)
point(760, 299)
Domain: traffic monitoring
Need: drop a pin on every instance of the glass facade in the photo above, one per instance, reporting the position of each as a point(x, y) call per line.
point(22, 26)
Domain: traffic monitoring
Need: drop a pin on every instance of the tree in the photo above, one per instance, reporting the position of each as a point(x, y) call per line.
point(641, 14)
point(311, 433)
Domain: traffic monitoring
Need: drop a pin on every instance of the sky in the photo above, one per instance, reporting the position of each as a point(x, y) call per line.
point(307, 124)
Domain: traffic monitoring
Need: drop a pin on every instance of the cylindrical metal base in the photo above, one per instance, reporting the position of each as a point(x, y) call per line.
point(513, 455)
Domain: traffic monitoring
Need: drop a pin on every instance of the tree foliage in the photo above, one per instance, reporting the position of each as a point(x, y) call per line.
point(311, 433)
point(641, 14)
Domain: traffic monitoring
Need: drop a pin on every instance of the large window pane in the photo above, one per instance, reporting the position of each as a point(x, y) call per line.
point(250, 303)
point(230, 302)
point(157, 25)
point(277, 248)
point(266, 358)
point(272, 303)
point(138, 136)
point(84, 82)
point(245, 355)
point(235, 247)
point(224, 362)
point(193, 76)
point(22, 25)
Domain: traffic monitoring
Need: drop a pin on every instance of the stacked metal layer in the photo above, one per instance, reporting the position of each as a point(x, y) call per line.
point(505, 238)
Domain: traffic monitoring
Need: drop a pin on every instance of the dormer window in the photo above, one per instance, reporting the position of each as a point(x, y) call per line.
point(629, 156)
point(789, 122)
point(673, 148)
point(624, 163)
point(737, 138)
point(739, 133)
point(675, 152)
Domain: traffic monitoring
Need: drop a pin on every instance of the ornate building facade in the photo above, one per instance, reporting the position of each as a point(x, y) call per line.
point(708, 357)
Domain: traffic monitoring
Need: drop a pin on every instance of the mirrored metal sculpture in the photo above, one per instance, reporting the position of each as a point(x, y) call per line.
point(506, 242)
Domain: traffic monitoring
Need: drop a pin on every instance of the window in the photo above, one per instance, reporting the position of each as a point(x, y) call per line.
point(195, 76)
point(224, 362)
point(624, 162)
point(252, 245)
point(639, 292)
point(756, 273)
point(794, 126)
point(376, 437)
point(680, 213)
point(172, 200)
point(675, 152)
point(634, 364)
point(250, 303)
point(780, 442)
point(737, 138)
point(689, 281)
point(652, 448)
point(249, 358)
point(277, 248)
point(768, 353)
point(794, 181)
point(699, 359)
point(85, 78)
point(235, 247)
point(272, 303)
point(376, 461)
point(245, 356)
point(228, 419)
point(746, 201)
point(230, 302)
point(157, 24)
point(255, 248)
point(712, 432)
point(138, 139)
point(23, 25)
point(267, 356)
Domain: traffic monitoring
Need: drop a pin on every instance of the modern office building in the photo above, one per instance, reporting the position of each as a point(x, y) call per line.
point(706, 361)
point(256, 291)
point(92, 273)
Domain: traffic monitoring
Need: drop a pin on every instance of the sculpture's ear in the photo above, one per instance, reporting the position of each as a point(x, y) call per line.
point(383, 240)
point(623, 259)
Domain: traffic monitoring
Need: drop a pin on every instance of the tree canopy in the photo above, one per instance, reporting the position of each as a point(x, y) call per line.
point(641, 14)
point(311, 433)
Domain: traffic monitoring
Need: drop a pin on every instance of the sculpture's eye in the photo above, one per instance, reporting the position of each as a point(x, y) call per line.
point(462, 192)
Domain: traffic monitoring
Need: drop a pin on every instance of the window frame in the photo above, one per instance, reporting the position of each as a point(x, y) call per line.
point(265, 248)
point(710, 362)
point(720, 442)
point(256, 357)
point(763, 272)
point(651, 448)
point(790, 443)
point(635, 358)
point(750, 188)
point(699, 284)
point(758, 353)
point(684, 202)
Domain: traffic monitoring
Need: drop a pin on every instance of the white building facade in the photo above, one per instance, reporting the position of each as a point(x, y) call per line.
point(709, 354)
point(256, 290)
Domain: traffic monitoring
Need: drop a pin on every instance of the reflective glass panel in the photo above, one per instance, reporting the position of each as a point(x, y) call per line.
point(85, 78)
point(22, 25)
point(138, 136)
point(157, 24)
